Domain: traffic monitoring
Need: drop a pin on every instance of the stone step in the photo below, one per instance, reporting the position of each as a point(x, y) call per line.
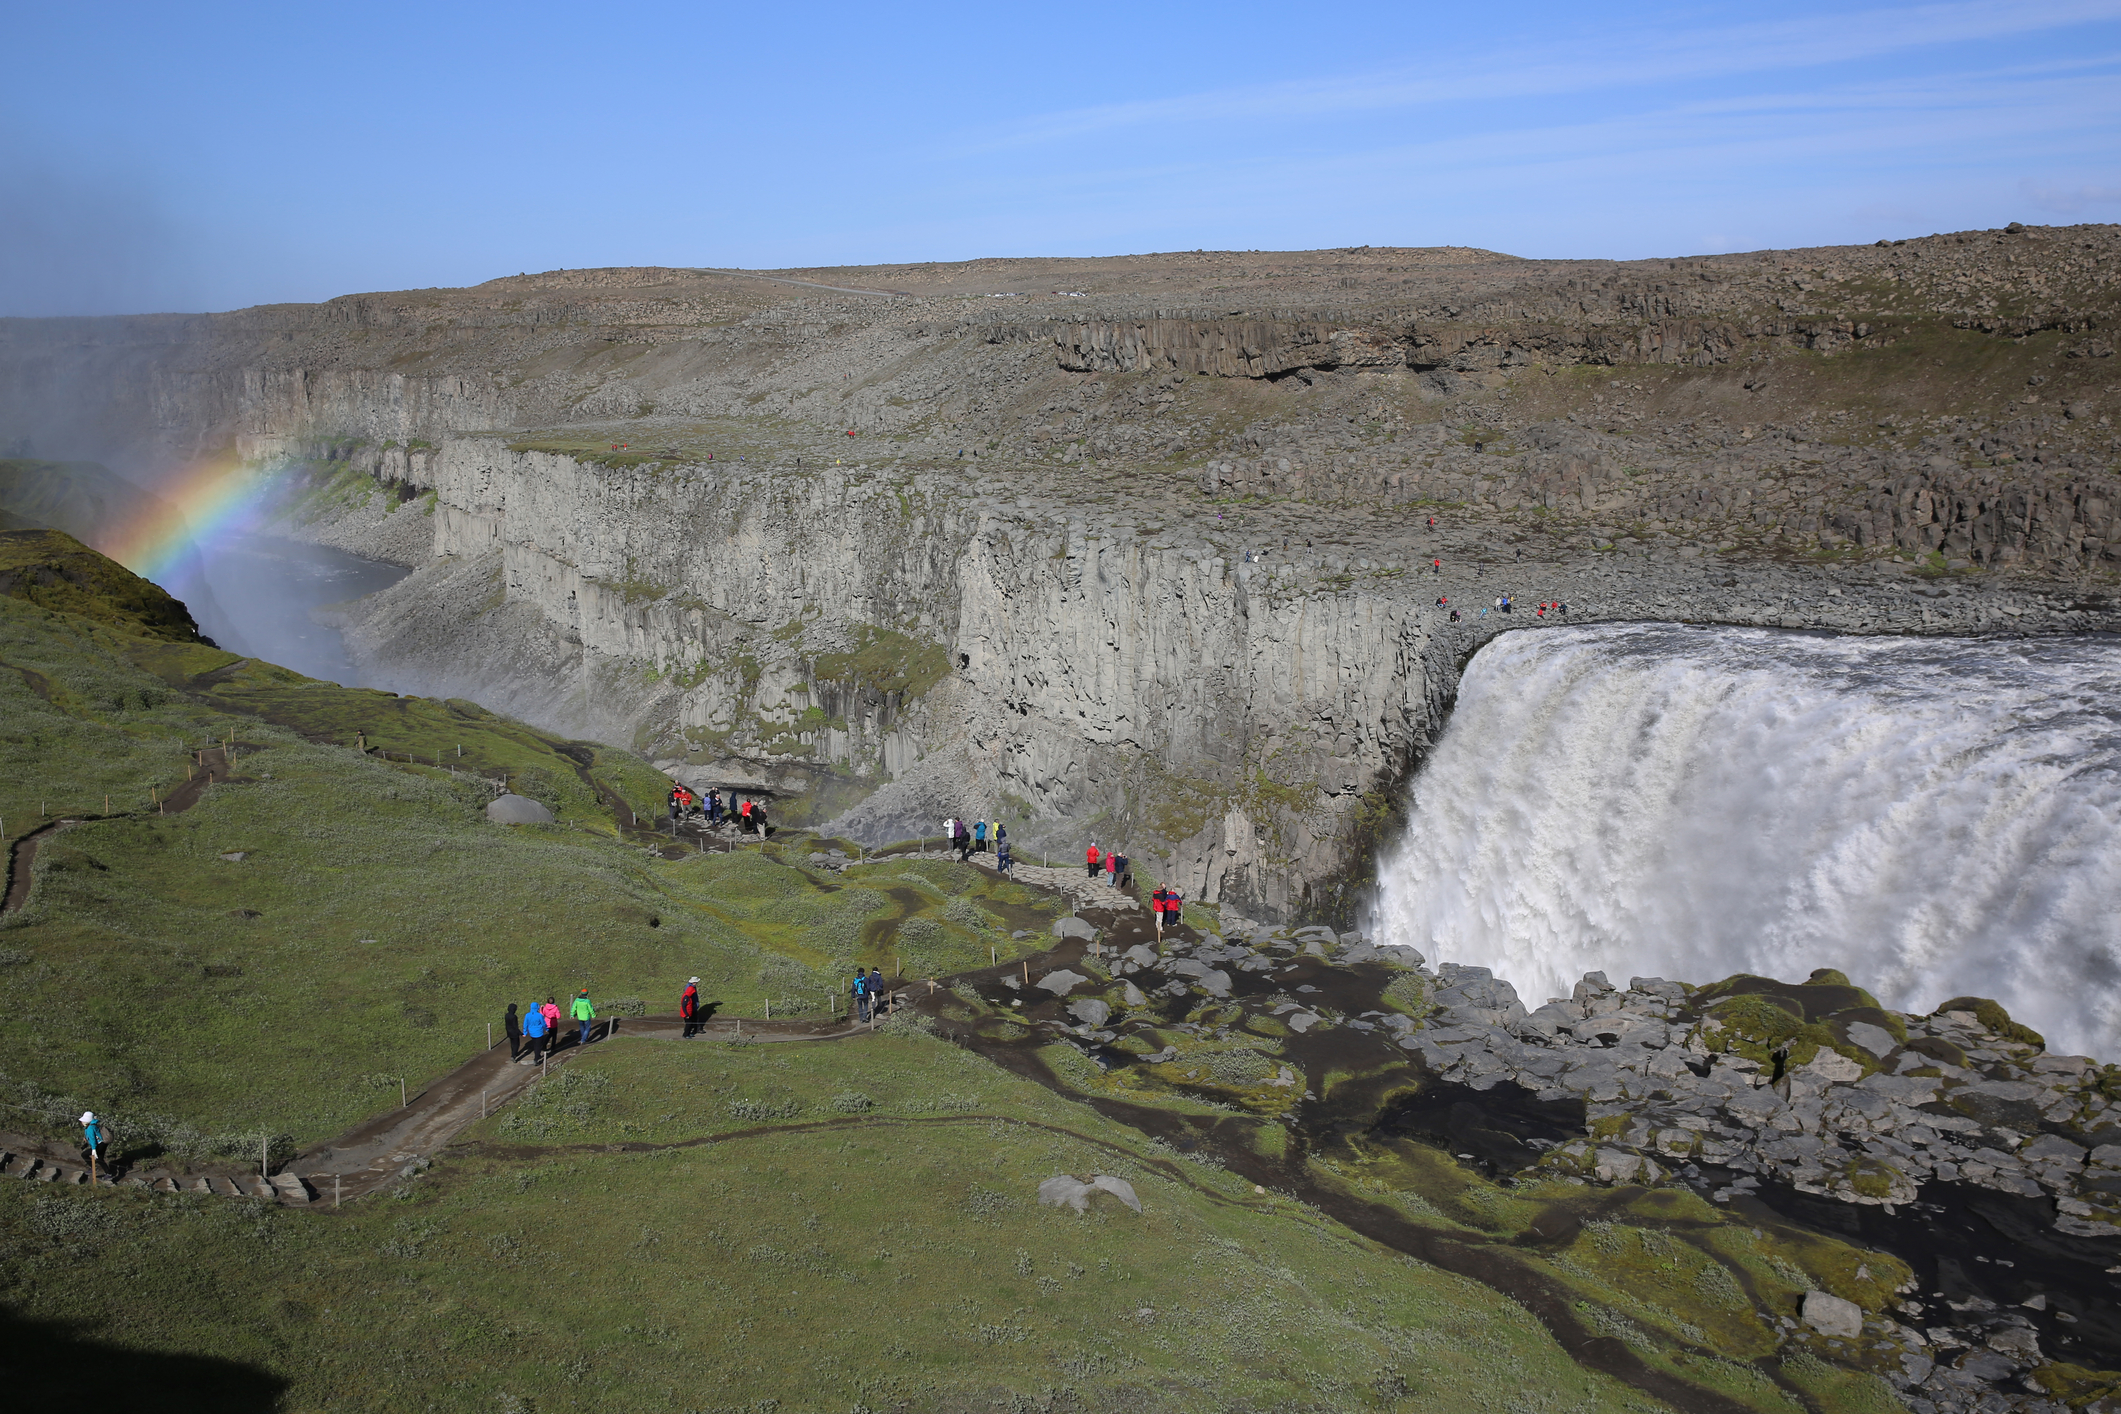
point(225, 1187)
point(291, 1188)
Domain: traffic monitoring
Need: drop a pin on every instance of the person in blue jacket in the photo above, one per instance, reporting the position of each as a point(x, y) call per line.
point(534, 1032)
point(860, 992)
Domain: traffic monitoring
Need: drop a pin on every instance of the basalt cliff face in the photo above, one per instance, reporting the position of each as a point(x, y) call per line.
point(1146, 550)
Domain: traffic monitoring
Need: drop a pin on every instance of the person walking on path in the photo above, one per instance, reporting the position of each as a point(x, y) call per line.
point(1156, 909)
point(1090, 861)
point(689, 1007)
point(979, 836)
point(1122, 870)
point(536, 1030)
point(92, 1137)
point(879, 999)
point(1002, 859)
point(551, 1009)
point(584, 1013)
point(860, 992)
point(513, 1025)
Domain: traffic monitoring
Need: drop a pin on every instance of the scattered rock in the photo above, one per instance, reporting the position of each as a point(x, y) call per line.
point(1831, 1315)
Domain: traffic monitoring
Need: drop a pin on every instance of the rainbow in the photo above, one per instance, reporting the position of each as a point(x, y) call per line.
point(187, 511)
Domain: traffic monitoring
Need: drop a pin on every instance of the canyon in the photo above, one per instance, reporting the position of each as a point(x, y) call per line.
point(1183, 552)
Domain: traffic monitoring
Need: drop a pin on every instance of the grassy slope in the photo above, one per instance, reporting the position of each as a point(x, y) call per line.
point(892, 1258)
point(392, 922)
point(376, 922)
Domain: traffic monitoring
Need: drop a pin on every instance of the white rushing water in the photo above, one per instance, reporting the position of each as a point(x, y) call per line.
point(1936, 818)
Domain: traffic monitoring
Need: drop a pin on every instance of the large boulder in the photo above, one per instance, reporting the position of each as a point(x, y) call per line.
point(517, 810)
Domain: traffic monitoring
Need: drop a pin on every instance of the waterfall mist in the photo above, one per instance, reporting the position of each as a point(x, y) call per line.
point(1934, 817)
point(269, 597)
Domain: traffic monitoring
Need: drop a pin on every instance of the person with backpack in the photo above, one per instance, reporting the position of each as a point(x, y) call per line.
point(1091, 860)
point(584, 1013)
point(860, 992)
point(93, 1138)
point(1156, 909)
point(979, 836)
point(689, 1008)
point(536, 1031)
point(714, 807)
point(1002, 859)
point(551, 1009)
point(879, 997)
point(513, 1025)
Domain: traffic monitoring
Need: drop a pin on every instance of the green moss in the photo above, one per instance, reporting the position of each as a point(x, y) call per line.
point(1992, 1016)
point(885, 661)
point(52, 570)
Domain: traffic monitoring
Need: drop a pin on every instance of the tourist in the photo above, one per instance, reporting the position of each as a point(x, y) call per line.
point(92, 1136)
point(879, 999)
point(1174, 909)
point(979, 836)
point(860, 992)
point(1454, 616)
point(1002, 859)
point(675, 792)
point(584, 1014)
point(513, 1026)
point(714, 807)
point(689, 1007)
point(1156, 909)
point(963, 842)
point(552, 1021)
point(949, 835)
point(535, 1030)
point(760, 826)
point(1090, 860)
point(1437, 565)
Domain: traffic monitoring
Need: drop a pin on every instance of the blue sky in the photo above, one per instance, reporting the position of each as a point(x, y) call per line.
point(188, 156)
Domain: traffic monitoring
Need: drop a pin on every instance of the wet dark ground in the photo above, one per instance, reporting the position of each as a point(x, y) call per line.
point(1964, 1244)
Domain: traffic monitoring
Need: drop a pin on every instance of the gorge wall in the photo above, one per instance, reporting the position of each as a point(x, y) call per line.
point(1166, 557)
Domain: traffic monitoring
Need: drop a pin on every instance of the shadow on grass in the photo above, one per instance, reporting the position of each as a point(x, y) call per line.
point(55, 1361)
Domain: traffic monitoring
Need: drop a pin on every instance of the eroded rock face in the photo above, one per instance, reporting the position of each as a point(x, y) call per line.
point(1160, 556)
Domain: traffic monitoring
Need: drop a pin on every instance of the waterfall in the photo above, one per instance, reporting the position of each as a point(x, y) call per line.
point(1934, 817)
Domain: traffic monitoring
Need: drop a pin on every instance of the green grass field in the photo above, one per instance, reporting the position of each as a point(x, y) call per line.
point(876, 1246)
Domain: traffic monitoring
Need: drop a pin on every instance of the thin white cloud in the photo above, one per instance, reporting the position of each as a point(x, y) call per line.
point(1656, 56)
point(2068, 201)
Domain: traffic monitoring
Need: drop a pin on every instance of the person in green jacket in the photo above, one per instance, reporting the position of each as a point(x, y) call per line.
point(583, 1012)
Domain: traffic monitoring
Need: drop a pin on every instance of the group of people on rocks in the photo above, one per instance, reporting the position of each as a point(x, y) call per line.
point(1119, 870)
point(1505, 604)
point(747, 815)
point(540, 1024)
point(978, 837)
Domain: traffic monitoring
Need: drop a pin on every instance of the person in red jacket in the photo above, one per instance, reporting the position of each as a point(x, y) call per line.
point(1091, 859)
point(1156, 907)
point(689, 1007)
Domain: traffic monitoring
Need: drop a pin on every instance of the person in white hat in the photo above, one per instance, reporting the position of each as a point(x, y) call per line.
point(689, 1007)
point(92, 1135)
